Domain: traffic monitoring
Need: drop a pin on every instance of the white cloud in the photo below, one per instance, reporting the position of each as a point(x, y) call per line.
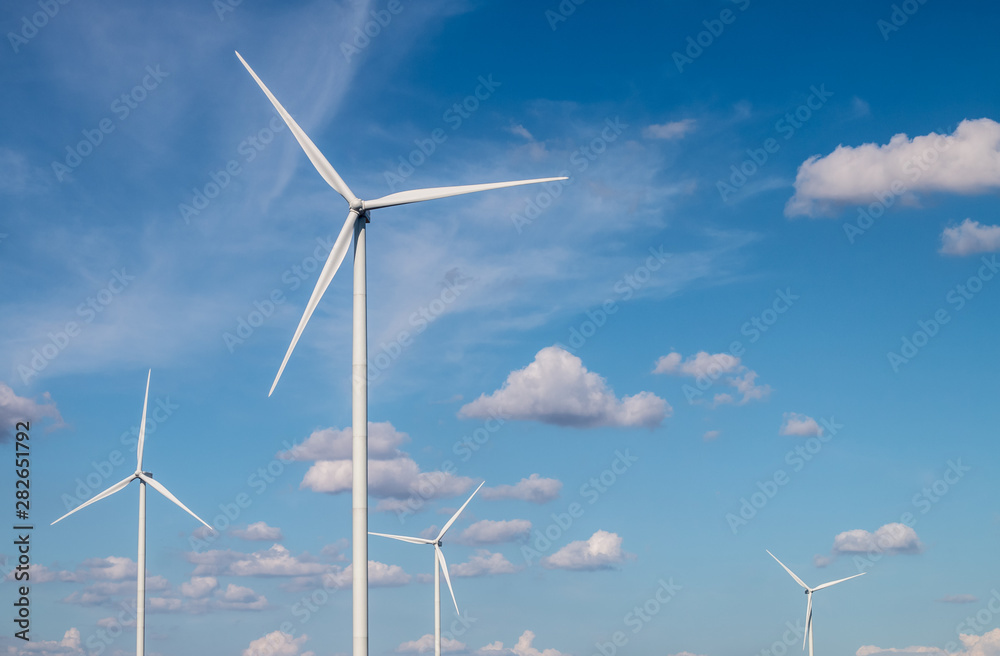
point(69, 646)
point(379, 575)
point(199, 586)
point(258, 532)
point(488, 531)
point(426, 643)
point(603, 550)
point(987, 644)
point(711, 435)
point(557, 389)
point(237, 597)
point(336, 443)
point(966, 162)
point(798, 424)
point(277, 643)
point(276, 561)
point(959, 599)
point(524, 647)
point(671, 130)
point(706, 368)
point(534, 489)
point(483, 563)
point(894, 538)
point(14, 408)
point(398, 478)
point(970, 237)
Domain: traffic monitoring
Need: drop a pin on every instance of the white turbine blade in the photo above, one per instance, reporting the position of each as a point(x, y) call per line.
point(403, 538)
point(142, 426)
point(106, 493)
point(315, 156)
point(165, 492)
point(827, 585)
point(797, 579)
point(333, 262)
point(457, 513)
point(418, 195)
point(809, 620)
point(444, 570)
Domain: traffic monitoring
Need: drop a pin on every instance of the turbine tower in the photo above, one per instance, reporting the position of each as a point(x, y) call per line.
point(808, 636)
point(439, 566)
point(354, 226)
point(144, 478)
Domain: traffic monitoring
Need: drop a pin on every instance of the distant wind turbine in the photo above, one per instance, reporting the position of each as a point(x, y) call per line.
point(808, 636)
point(439, 566)
point(354, 228)
point(143, 477)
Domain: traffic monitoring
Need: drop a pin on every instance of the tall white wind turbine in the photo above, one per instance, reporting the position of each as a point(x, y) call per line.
point(808, 636)
point(354, 229)
point(143, 477)
point(439, 566)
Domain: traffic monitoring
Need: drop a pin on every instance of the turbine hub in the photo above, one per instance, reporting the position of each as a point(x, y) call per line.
point(358, 205)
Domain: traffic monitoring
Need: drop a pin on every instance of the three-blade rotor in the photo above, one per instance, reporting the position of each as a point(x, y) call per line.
point(358, 208)
point(138, 473)
point(438, 553)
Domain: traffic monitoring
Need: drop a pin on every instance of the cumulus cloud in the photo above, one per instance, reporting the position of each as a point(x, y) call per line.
point(557, 389)
point(970, 237)
point(706, 368)
point(69, 646)
point(965, 162)
point(379, 575)
point(801, 425)
point(14, 408)
point(336, 443)
point(484, 563)
point(258, 532)
point(603, 550)
point(398, 478)
point(524, 647)
point(276, 561)
point(890, 539)
point(488, 531)
point(534, 489)
point(426, 643)
point(199, 586)
point(671, 130)
point(987, 644)
point(278, 643)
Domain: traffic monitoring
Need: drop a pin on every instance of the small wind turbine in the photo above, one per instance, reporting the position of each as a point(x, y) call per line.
point(143, 477)
point(808, 636)
point(439, 566)
point(354, 227)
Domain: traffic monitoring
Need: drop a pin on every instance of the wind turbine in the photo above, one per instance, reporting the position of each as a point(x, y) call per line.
point(439, 566)
point(354, 228)
point(143, 477)
point(808, 636)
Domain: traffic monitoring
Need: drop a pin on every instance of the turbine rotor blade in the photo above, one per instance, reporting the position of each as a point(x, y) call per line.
point(418, 195)
point(403, 538)
point(142, 427)
point(444, 570)
point(106, 493)
point(457, 513)
point(165, 492)
point(797, 579)
point(333, 262)
point(827, 585)
point(809, 621)
point(312, 152)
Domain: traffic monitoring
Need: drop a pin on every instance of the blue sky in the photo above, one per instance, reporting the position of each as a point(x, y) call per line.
point(761, 308)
